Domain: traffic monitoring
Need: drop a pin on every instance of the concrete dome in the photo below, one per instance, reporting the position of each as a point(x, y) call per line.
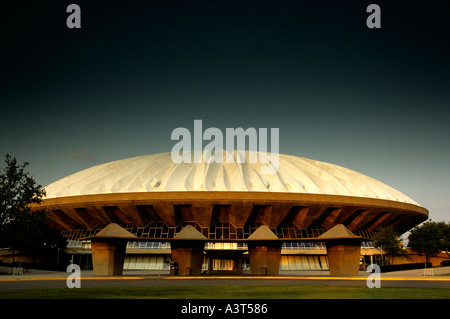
point(301, 193)
point(158, 173)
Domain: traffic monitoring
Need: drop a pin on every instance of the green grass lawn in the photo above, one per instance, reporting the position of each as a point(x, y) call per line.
point(230, 292)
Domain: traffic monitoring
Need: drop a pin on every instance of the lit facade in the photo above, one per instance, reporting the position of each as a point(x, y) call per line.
point(154, 199)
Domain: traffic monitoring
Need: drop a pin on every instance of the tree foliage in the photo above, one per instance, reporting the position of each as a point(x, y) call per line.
point(17, 191)
point(444, 229)
point(430, 238)
point(389, 241)
point(20, 228)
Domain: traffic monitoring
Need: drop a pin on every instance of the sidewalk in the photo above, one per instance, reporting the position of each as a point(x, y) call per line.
point(137, 274)
point(5, 273)
point(416, 273)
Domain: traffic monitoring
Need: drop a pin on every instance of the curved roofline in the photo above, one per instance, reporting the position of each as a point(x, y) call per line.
point(189, 197)
point(157, 173)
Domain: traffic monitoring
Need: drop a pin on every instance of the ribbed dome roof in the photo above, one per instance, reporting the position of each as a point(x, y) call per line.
point(158, 173)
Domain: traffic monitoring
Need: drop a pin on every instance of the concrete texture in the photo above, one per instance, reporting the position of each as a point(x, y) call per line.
point(108, 257)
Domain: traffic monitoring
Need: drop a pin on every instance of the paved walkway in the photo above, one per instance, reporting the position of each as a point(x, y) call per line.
point(414, 273)
point(5, 274)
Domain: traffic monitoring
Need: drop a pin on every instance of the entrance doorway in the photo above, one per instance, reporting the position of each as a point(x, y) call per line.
point(223, 265)
point(221, 259)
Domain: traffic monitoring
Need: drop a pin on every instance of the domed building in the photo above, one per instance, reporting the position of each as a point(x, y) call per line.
point(212, 216)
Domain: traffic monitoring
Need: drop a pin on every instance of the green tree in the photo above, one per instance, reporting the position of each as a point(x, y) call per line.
point(31, 233)
point(21, 229)
point(426, 239)
point(444, 228)
point(388, 240)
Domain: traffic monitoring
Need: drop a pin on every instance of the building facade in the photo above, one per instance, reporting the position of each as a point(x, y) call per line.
point(224, 204)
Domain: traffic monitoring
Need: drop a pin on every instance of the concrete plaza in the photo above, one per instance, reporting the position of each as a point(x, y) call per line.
point(54, 279)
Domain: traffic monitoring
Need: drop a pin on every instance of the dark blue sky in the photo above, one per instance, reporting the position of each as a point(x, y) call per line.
point(376, 101)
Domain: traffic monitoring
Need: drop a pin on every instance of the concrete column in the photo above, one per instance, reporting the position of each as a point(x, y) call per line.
point(343, 257)
point(210, 264)
point(238, 264)
point(108, 257)
point(189, 256)
point(264, 257)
